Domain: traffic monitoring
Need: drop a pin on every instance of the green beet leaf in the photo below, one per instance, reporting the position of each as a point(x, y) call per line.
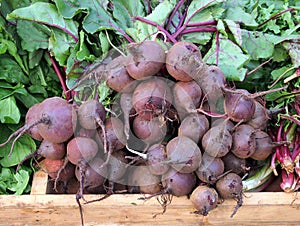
point(9, 111)
point(231, 58)
point(45, 13)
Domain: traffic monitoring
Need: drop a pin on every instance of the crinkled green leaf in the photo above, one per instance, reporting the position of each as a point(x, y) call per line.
point(231, 58)
point(196, 5)
point(280, 54)
point(34, 58)
point(34, 36)
point(45, 13)
point(258, 44)
point(23, 147)
point(235, 30)
point(221, 28)
point(83, 52)
point(201, 38)
point(9, 111)
point(11, 48)
point(293, 49)
point(159, 15)
point(5, 93)
point(59, 46)
point(238, 14)
point(124, 10)
point(104, 43)
point(29, 100)
point(280, 71)
point(21, 181)
point(11, 70)
point(97, 18)
point(15, 182)
point(133, 7)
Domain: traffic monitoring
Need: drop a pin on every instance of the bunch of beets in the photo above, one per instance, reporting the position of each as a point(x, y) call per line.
point(176, 128)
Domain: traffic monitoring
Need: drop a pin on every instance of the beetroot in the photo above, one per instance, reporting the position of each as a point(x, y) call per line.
point(152, 97)
point(243, 141)
point(156, 157)
point(56, 169)
point(52, 150)
point(231, 187)
point(144, 59)
point(217, 141)
point(194, 126)
point(264, 146)
point(53, 120)
point(31, 118)
point(204, 199)
point(260, 117)
point(62, 120)
point(144, 180)
point(81, 149)
point(238, 105)
point(117, 77)
point(184, 154)
point(94, 174)
point(183, 60)
point(150, 131)
point(178, 184)
point(212, 81)
point(187, 96)
point(117, 166)
point(114, 130)
point(234, 164)
point(91, 114)
point(210, 169)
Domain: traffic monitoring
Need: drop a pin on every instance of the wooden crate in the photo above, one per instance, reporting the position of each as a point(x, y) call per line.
point(39, 208)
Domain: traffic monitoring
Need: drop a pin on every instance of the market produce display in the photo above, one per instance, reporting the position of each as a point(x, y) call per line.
point(173, 98)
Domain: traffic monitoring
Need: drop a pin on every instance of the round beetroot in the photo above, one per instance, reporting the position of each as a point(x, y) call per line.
point(178, 184)
point(31, 117)
point(187, 96)
point(62, 120)
point(194, 126)
point(144, 180)
point(152, 97)
point(243, 141)
point(81, 149)
point(204, 199)
point(52, 150)
point(150, 131)
point(117, 77)
point(183, 61)
point(144, 59)
point(89, 113)
point(184, 154)
point(156, 156)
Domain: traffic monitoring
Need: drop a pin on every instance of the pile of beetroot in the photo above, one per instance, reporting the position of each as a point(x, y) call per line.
point(177, 127)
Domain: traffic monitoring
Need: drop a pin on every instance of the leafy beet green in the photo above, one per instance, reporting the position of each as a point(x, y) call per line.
point(49, 47)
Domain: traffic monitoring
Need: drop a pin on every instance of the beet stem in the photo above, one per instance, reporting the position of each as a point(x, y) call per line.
point(275, 16)
point(156, 25)
point(179, 31)
point(60, 77)
point(180, 3)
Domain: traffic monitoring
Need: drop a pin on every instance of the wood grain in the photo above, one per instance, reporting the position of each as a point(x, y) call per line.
point(259, 208)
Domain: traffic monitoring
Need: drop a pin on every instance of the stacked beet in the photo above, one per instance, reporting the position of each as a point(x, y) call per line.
point(176, 128)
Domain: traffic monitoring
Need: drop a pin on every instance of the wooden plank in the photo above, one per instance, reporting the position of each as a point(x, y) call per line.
point(258, 208)
point(39, 183)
